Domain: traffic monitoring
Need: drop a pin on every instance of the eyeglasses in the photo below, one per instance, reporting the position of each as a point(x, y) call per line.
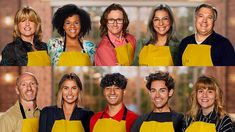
point(112, 21)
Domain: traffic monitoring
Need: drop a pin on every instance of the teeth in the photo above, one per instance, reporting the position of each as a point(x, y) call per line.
point(69, 97)
point(112, 97)
point(72, 31)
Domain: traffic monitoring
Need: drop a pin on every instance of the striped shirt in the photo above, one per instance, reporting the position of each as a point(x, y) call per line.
point(222, 125)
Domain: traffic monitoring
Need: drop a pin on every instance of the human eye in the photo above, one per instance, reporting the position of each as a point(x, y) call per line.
point(210, 91)
point(111, 20)
point(23, 84)
point(165, 19)
point(67, 23)
point(155, 19)
point(200, 91)
point(152, 90)
point(162, 90)
point(32, 83)
point(119, 20)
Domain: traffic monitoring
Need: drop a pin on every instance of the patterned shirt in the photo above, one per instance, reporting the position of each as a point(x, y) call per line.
point(56, 47)
point(222, 125)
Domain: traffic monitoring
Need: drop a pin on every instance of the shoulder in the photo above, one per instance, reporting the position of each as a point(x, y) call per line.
point(131, 114)
point(188, 38)
point(49, 110)
point(54, 42)
point(10, 46)
point(221, 40)
point(85, 111)
point(12, 114)
point(130, 38)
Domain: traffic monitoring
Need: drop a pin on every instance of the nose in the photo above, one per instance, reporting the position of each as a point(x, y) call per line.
point(204, 19)
point(70, 91)
point(112, 91)
point(204, 94)
point(27, 22)
point(29, 87)
point(160, 22)
point(157, 94)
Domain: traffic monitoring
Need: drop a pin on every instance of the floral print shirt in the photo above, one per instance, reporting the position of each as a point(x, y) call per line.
point(56, 45)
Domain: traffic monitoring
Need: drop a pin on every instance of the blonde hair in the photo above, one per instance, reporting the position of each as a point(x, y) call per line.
point(75, 78)
point(205, 82)
point(27, 13)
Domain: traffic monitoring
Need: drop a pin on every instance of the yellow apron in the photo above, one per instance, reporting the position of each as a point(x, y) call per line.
point(154, 126)
point(125, 54)
point(67, 126)
point(109, 124)
point(29, 125)
point(152, 55)
point(74, 59)
point(200, 126)
point(38, 58)
point(197, 55)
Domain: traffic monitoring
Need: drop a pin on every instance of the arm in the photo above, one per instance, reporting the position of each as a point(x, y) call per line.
point(225, 125)
point(90, 49)
point(229, 54)
point(44, 123)
point(86, 121)
point(8, 56)
point(105, 56)
point(137, 124)
point(6, 124)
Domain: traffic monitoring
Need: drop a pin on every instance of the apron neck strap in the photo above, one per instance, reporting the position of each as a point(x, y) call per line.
point(110, 41)
point(123, 116)
point(22, 111)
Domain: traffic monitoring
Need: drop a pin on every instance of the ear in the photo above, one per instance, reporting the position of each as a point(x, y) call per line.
point(17, 90)
point(171, 92)
point(124, 91)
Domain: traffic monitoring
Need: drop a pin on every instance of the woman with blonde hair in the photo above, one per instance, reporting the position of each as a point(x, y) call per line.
point(67, 115)
point(27, 47)
point(207, 112)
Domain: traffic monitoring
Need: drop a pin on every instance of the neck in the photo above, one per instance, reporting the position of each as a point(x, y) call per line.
point(72, 41)
point(200, 37)
point(28, 39)
point(68, 110)
point(28, 105)
point(118, 35)
point(161, 40)
point(163, 109)
point(207, 110)
point(113, 110)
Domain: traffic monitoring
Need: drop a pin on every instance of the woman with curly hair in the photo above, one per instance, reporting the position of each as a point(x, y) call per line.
point(72, 23)
point(117, 47)
point(207, 112)
point(27, 47)
point(67, 115)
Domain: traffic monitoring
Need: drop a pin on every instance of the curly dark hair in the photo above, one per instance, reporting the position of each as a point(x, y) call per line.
point(116, 79)
point(104, 21)
point(160, 76)
point(67, 11)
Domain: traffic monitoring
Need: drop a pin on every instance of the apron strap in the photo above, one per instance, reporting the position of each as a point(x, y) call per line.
point(22, 111)
point(79, 43)
point(112, 42)
point(123, 116)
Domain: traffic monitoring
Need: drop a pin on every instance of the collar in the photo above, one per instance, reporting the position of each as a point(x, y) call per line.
point(117, 117)
point(117, 41)
point(211, 117)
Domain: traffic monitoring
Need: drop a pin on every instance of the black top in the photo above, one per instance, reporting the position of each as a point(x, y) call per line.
point(176, 118)
point(222, 125)
point(222, 51)
point(15, 53)
point(50, 114)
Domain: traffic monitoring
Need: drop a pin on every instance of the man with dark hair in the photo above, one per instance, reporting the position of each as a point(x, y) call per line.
point(206, 47)
point(23, 116)
point(116, 117)
point(162, 118)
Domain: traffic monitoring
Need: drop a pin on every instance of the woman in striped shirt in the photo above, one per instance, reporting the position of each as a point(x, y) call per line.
point(207, 112)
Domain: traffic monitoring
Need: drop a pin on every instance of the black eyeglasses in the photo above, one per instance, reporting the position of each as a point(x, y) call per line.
point(112, 21)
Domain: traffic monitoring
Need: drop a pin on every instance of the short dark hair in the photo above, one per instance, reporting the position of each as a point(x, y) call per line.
point(160, 76)
point(115, 79)
point(207, 6)
point(104, 21)
point(71, 76)
point(67, 11)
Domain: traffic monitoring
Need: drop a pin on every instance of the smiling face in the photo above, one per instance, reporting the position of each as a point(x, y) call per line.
point(27, 28)
point(160, 95)
point(70, 91)
point(72, 26)
point(115, 22)
point(206, 99)
point(161, 22)
point(27, 88)
point(114, 95)
point(204, 21)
